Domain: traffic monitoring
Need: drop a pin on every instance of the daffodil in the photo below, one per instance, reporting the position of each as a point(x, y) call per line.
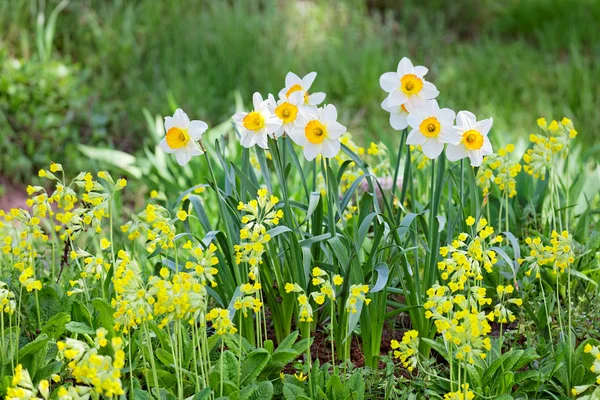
point(293, 83)
point(398, 115)
point(432, 127)
point(182, 136)
point(289, 110)
point(407, 84)
point(256, 125)
point(319, 134)
point(473, 139)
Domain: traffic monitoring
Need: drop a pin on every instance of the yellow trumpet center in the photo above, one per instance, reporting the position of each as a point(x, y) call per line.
point(254, 121)
point(287, 112)
point(430, 127)
point(315, 132)
point(411, 84)
point(177, 138)
point(473, 140)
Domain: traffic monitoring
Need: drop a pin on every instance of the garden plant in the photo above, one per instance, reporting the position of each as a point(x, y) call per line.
point(275, 257)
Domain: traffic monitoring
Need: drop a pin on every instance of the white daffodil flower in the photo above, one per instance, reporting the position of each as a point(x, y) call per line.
point(432, 127)
point(398, 115)
point(473, 139)
point(407, 84)
point(293, 84)
point(256, 125)
point(182, 136)
point(319, 133)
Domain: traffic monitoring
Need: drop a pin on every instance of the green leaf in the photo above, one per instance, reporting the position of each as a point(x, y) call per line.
point(105, 315)
point(257, 391)
point(80, 328)
point(124, 161)
point(34, 346)
point(253, 364)
point(56, 325)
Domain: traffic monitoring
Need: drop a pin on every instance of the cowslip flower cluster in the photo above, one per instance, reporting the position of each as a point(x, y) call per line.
point(407, 350)
point(202, 263)
point(306, 311)
point(462, 394)
point(411, 103)
point(91, 368)
point(183, 297)
point(249, 298)
point(221, 321)
point(259, 214)
point(554, 141)
point(558, 253)
point(500, 170)
point(457, 306)
point(22, 388)
point(156, 222)
point(467, 256)
point(594, 351)
point(502, 313)
point(132, 303)
point(8, 305)
point(356, 297)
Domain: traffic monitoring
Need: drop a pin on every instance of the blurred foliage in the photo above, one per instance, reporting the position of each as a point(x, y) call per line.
point(510, 59)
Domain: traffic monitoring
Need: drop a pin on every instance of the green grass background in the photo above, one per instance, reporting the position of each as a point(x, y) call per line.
point(513, 60)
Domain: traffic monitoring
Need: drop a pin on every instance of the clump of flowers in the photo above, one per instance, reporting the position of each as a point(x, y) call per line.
point(462, 394)
point(259, 214)
point(501, 170)
point(501, 312)
point(249, 298)
point(356, 297)
point(554, 140)
point(132, 303)
point(90, 368)
point(22, 388)
point(407, 350)
point(559, 253)
point(221, 321)
point(8, 305)
point(306, 311)
point(156, 222)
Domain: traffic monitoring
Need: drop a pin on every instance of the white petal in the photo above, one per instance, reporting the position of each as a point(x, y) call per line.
point(335, 129)
point(432, 148)
point(273, 124)
point(396, 98)
point(456, 152)
point(183, 157)
point(193, 149)
point(483, 126)
point(428, 91)
point(248, 139)
point(238, 118)
point(415, 138)
point(196, 129)
point(448, 135)
point(296, 98)
point(414, 119)
point(311, 150)
point(487, 146)
point(405, 66)
point(297, 133)
point(330, 148)
point(257, 100)
point(292, 79)
point(476, 158)
point(165, 147)
point(169, 123)
point(420, 71)
point(308, 80)
point(446, 116)
point(261, 140)
point(181, 119)
point(398, 121)
point(316, 98)
point(389, 81)
point(465, 120)
point(329, 113)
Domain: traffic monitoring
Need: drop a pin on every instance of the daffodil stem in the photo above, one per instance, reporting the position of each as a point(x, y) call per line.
point(397, 168)
point(332, 336)
point(221, 374)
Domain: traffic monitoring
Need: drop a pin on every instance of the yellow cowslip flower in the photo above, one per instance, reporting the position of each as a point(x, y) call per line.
point(182, 215)
point(104, 244)
point(407, 350)
point(221, 321)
